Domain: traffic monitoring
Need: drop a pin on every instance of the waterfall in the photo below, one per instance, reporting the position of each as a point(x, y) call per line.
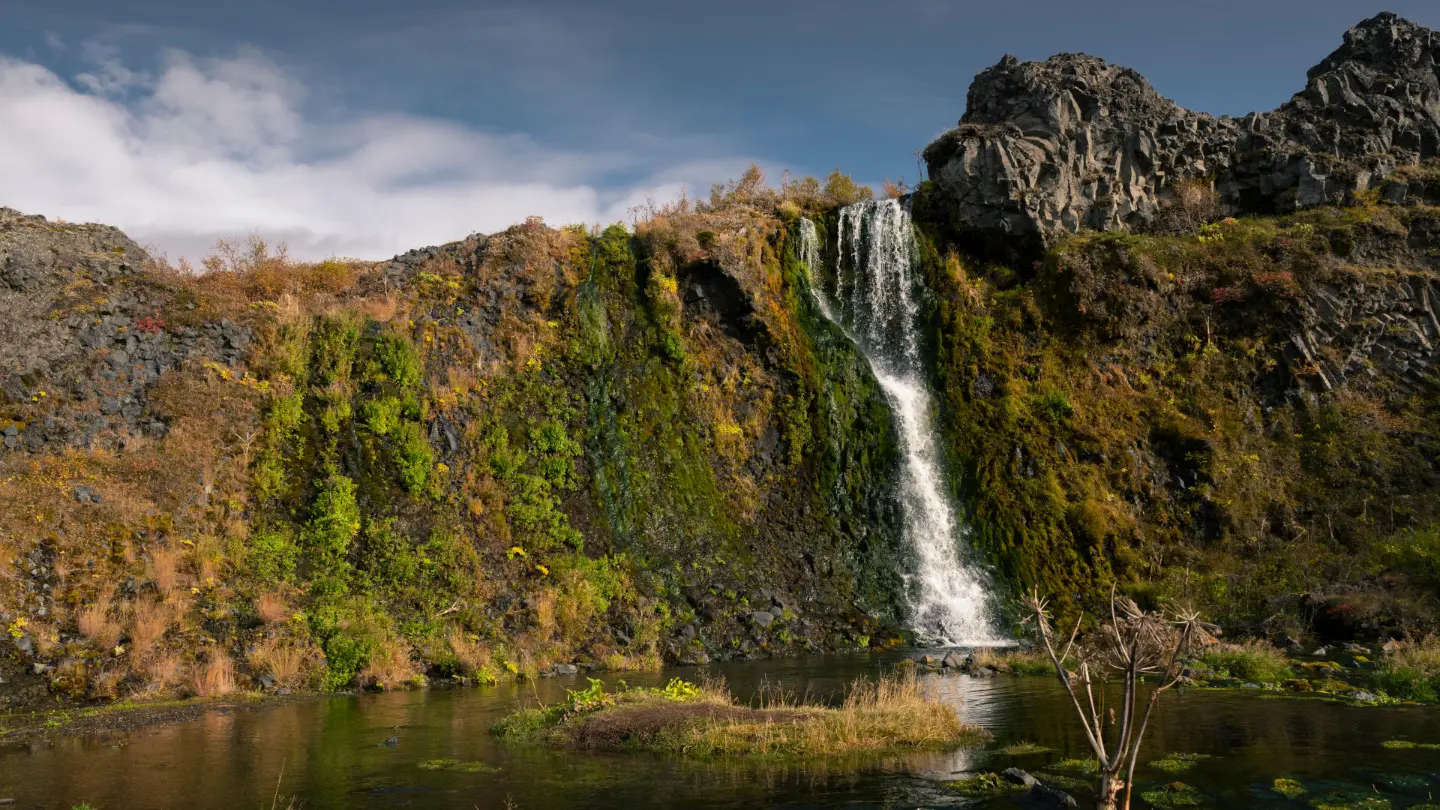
point(874, 300)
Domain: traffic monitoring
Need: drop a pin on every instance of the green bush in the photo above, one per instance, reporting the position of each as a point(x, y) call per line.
point(382, 416)
point(395, 360)
point(413, 456)
point(1412, 672)
point(334, 521)
point(271, 556)
point(1253, 661)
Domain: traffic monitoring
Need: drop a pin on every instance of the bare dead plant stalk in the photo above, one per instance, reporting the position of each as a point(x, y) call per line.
point(1132, 644)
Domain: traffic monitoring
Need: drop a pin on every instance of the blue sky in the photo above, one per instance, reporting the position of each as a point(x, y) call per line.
point(365, 128)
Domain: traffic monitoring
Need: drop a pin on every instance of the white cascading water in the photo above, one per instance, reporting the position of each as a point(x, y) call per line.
point(874, 301)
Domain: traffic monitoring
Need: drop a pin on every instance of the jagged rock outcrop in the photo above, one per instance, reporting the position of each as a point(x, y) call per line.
point(1075, 142)
point(1382, 329)
point(80, 339)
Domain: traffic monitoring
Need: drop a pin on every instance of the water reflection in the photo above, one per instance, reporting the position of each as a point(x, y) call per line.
point(329, 752)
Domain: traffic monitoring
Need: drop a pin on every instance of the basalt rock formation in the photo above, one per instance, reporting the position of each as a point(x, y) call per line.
point(1077, 143)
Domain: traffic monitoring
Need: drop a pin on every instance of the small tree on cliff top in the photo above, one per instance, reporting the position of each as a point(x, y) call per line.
point(1131, 644)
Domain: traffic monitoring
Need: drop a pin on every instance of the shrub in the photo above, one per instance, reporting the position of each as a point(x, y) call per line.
point(271, 556)
point(1192, 204)
point(334, 520)
point(381, 416)
point(395, 360)
point(390, 666)
point(1253, 661)
point(845, 191)
point(1412, 672)
point(413, 457)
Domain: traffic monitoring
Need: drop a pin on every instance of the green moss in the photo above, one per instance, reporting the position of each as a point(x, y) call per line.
point(1175, 794)
point(1289, 788)
point(1177, 763)
point(985, 785)
point(456, 766)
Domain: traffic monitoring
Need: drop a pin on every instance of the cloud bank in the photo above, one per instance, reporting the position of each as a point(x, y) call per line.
point(209, 148)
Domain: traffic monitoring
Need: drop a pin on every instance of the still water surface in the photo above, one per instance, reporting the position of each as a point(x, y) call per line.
point(327, 753)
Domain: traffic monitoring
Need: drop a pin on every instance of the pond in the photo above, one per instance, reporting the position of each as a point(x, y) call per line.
point(328, 753)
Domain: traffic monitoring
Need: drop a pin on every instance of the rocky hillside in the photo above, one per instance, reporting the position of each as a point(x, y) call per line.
point(477, 460)
point(1200, 356)
point(1074, 142)
point(1194, 357)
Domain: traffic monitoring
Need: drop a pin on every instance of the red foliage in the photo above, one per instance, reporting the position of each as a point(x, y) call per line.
point(1226, 295)
point(150, 323)
point(1278, 282)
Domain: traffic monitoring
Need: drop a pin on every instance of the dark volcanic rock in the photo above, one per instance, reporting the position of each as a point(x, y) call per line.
point(1075, 142)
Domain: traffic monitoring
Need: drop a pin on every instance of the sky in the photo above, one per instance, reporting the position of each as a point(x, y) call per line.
point(365, 128)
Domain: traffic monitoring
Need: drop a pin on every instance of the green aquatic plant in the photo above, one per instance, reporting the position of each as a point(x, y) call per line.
point(985, 785)
point(457, 766)
point(1022, 748)
point(1349, 799)
point(1175, 763)
point(1408, 744)
point(1289, 788)
point(1175, 794)
point(1077, 766)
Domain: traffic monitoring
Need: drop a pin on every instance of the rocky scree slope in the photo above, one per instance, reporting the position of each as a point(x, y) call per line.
point(487, 459)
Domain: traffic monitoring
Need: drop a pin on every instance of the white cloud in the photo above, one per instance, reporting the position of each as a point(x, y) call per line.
point(206, 148)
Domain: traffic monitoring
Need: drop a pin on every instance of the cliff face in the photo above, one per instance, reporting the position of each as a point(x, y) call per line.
point(1201, 407)
point(1073, 142)
point(476, 460)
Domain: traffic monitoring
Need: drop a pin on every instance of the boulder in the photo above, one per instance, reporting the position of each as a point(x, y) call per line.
point(1073, 142)
point(763, 618)
point(1019, 777)
point(1043, 796)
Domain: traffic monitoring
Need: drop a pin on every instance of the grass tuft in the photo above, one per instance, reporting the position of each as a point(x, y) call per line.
point(1254, 661)
point(705, 721)
point(1412, 672)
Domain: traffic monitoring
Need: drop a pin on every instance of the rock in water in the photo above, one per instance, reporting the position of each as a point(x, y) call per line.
point(1076, 142)
point(1020, 777)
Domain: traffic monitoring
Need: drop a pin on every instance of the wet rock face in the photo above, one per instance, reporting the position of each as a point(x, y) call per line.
point(1075, 142)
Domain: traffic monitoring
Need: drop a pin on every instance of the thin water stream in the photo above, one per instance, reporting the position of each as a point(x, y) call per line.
point(871, 291)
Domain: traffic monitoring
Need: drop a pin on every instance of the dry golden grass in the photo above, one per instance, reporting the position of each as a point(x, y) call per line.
point(287, 661)
point(894, 714)
point(96, 621)
point(163, 570)
point(391, 667)
point(160, 672)
point(474, 657)
point(272, 607)
point(544, 603)
point(215, 677)
point(149, 622)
